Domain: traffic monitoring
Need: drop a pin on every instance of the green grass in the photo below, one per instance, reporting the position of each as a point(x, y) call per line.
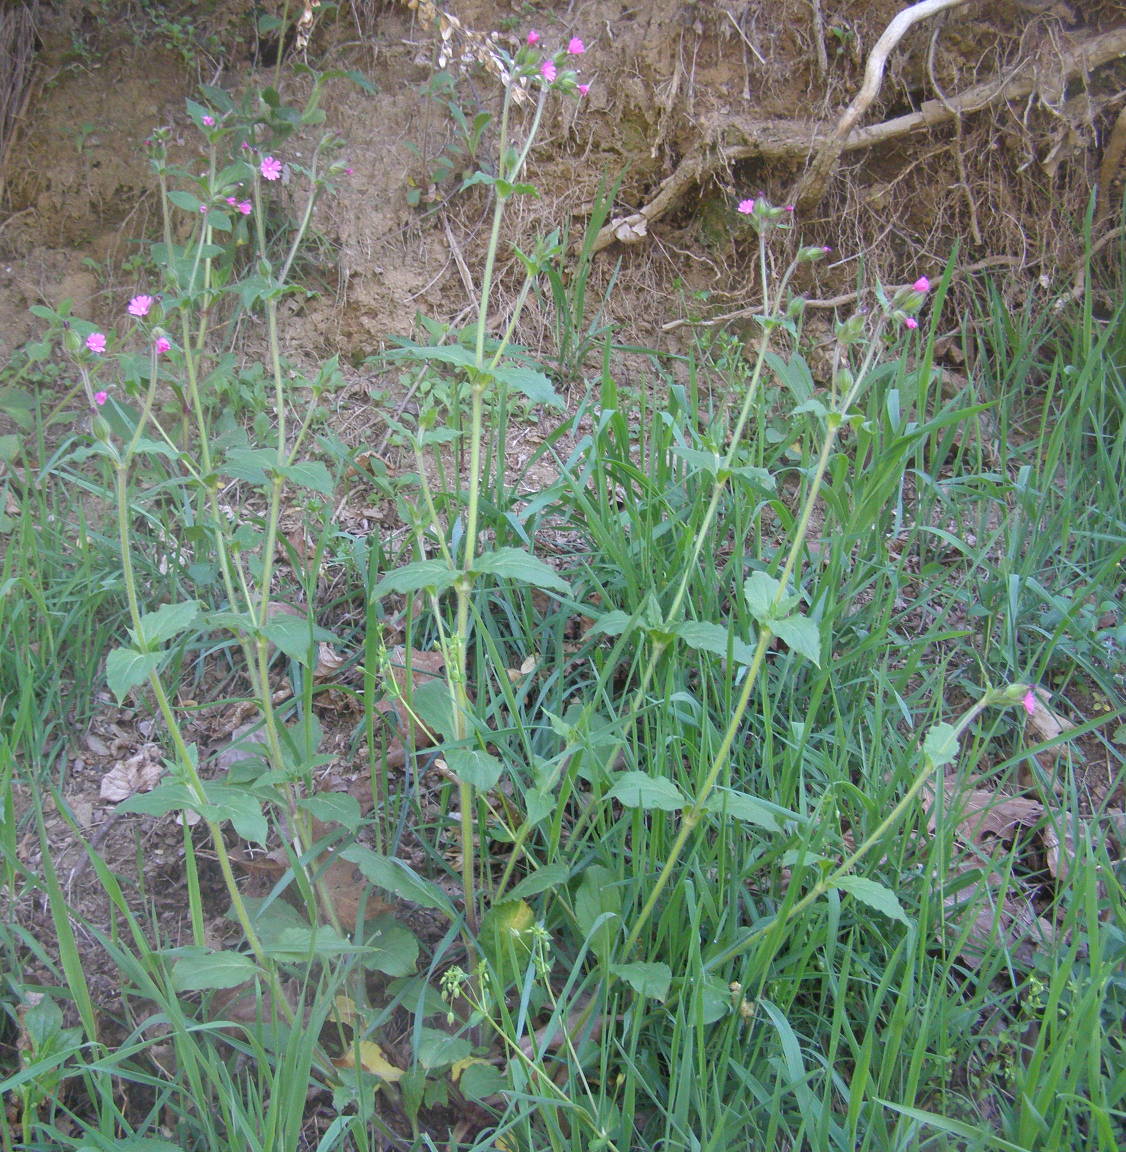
point(632, 959)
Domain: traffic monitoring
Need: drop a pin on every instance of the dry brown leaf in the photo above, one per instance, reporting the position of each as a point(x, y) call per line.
point(141, 772)
point(328, 662)
point(372, 1060)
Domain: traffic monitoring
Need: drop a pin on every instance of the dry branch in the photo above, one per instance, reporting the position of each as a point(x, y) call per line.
point(742, 138)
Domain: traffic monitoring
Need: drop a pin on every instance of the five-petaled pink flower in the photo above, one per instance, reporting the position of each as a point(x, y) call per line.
point(576, 47)
point(584, 89)
point(746, 207)
point(140, 305)
point(100, 398)
point(1029, 701)
point(533, 37)
point(96, 342)
point(162, 345)
point(270, 168)
point(547, 71)
point(208, 121)
point(245, 207)
point(922, 284)
point(911, 322)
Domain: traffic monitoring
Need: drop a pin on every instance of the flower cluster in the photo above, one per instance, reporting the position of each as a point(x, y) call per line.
point(907, 301)
point(553, 69)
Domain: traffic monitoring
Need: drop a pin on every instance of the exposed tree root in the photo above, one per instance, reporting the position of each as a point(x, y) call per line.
point(743, 138)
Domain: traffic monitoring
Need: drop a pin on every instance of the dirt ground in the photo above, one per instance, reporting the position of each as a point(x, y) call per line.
point(693, 104)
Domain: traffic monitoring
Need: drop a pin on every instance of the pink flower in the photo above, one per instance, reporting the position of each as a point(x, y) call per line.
point(208, 121)
point(826, 249)
point(270, 168)
point(911, 322)
point(1028, 700)
point(922, 284)
point(533, 37)
point(245, 207)
point(96, 342)
point(789, 207)
point(547, 71)
point(746, 207)
point(347, 171)
point(203, 209)
point(584, 89)
point(232, 201)
point(100, 398)
point(576, 47)
point(162, 344)
point(140, 305)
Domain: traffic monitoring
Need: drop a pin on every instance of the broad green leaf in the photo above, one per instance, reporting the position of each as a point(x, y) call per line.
point(613, 623)
point(436, 574)
point(250, 464)
point(707, 637)
point(207, 970)
point(437, 1049)
point(645, 979)
point(740, 806)
point(167, 621)
point(185, 200)
point(309, 474)
point(296, 637)
point(598, 906)
point(760, 590)
point(169, 796)
point(333, 808)
point(941, 745)
point(443, 353)
point(528, 382)
point(549, 876)
point(517, 564)
point(241, 807)
point(640, 790)
point(538, 805)
point(390, 948)
point(801, 634)
point(698, 460)
point(481, 1080)
point(126, 668)
point(474, 767)
point(431, 702)
point(875, 895)
point(398, 878)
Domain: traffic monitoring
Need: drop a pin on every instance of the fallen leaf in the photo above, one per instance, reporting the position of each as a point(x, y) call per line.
point(141, 772)
point(371, 1060)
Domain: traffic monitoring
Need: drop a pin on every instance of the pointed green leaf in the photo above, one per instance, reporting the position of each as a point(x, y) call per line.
point(422, 574)
point(875, 895)
point(250, 464)
point(309, 474)
point(296, 636)
point(801, 634)
point(333, 808)
point(740, 806)
point(517, 564)
point(206, 970)
point(474, 767)
point(167, 621)
point(941, 745)
point(549, 876)
point(126, 668)
point(613, 623)
point(390, 948)
point(528, 382)
point(398, 878)
point(760, 590)
point(640, 790)
point(708, 637)
point(645, 979)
